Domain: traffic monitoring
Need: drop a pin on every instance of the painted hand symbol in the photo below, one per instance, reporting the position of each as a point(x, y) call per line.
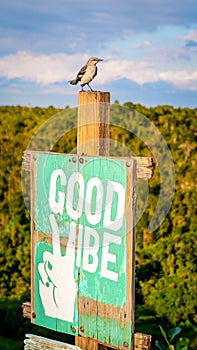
point(57, 286)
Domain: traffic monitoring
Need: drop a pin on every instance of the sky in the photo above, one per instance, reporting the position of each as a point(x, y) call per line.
point(148, 47)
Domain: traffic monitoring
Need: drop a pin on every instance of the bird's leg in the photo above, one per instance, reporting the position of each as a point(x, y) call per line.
point(90, 87)
point(82, 88)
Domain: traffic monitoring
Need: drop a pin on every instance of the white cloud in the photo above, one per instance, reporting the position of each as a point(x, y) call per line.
point(181, 78)
point(42, 69)
point(142, 45)
point(57, 68)
point(143, 72)
point(192, 35)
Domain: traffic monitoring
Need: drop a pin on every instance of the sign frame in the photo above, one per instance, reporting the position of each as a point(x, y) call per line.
point(90, 309)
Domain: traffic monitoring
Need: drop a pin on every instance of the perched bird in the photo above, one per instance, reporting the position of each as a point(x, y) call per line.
point(87, 73)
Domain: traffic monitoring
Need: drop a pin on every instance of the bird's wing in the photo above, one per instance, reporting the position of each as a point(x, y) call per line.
point(81, 72)
point(95, 73)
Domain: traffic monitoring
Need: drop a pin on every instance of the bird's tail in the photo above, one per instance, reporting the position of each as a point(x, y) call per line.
point(74, 82)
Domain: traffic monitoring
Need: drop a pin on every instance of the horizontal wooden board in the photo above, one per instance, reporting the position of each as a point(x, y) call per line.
point(34, 342)
point(145, 168)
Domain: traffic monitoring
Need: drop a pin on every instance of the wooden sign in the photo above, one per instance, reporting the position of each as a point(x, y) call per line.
point(83, 243)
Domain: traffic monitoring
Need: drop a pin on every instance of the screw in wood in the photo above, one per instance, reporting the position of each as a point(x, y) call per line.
point(82, 329)
point(33, 315)
point(74, 159)
point(128, 163)
point(125, 344)
point(73, 329)
point(81, 160)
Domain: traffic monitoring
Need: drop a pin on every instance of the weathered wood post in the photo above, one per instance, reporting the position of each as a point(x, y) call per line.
point(93, 123)
point(93, 140)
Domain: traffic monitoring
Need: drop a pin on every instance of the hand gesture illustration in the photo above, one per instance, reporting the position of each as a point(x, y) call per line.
point(57, 286)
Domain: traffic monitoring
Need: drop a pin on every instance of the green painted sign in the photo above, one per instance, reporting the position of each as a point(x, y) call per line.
point(80, 247)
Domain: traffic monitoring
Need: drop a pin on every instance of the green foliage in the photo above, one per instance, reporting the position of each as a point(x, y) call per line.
point(17, 125)
point(169, 342)
point(10, 344)
point(171, 281)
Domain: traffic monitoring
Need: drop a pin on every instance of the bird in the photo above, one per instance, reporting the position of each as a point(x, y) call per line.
point(87, 73)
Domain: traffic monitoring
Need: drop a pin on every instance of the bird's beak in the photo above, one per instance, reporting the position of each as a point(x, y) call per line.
point(100, 59)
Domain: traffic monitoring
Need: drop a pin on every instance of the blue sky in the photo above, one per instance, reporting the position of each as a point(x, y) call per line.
point(149, 49)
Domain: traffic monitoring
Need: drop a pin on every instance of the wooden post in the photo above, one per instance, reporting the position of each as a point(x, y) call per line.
point(93, 123)
point(93, 140)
